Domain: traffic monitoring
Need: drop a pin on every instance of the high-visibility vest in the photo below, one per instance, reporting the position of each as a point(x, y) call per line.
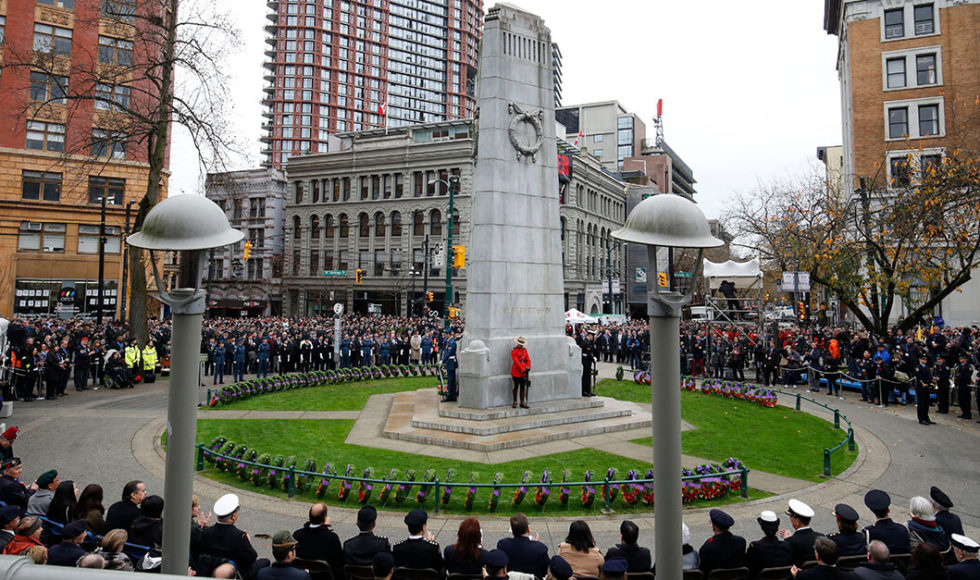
point(132, 356)
point(150, 358)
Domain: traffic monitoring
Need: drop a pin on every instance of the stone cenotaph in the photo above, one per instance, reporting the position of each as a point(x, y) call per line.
point(514, 273)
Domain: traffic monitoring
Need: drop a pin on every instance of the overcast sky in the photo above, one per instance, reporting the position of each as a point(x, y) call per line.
point(750, 89)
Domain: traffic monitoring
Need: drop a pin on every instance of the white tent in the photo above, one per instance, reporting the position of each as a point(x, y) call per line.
point(742, 274)
point(575, 316)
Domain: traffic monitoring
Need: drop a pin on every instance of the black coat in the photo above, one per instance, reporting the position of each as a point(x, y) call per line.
point(320, 543)
point(65, 554)
point(417, 553)
point(724, 550)
point(801, 545)
point(14, 492)
point(894, 535)
point(949, 522)
point(282, 571)
point(455, 566)
point(637, 557)
point(121, 515)
point(965, 570)
point(361, 549)
point(227, 541)
point(768, 552)
point(852, 544)
point(525, 555)
point(822, 572)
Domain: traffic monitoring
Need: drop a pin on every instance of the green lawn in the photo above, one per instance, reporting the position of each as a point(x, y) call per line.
point(340, 397)
point(778, 440)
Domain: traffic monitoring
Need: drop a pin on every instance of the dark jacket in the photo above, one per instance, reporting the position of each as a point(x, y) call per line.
point(724, 550)
point(824, 572)
point(852, 544)
point(801, 545)
point(320, 543)
point(65, 554)
point(637, 557)
point(226, 541)
point(949, 522)
point(525, 555)
point(121, 515)
point(894, 535)
point(146, 532)
point(417, 552)
point(455, 566)
point(875, 571)
point(13, 492)
point(282, 571)
point(361, 549)
point(768, 552)
point(965, 570)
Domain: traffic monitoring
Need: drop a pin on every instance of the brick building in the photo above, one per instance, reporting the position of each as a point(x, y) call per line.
point(68, 69)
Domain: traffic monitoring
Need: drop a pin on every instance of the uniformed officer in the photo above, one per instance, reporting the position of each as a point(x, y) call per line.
point(449, 363)
point(83, 358)
point(419, 550)
point(893, 534)
point(723, 549)
point(967, 566)
point(224, 540)
point(361, 549)
point(941, 374)
point(588, 360)
point(962, 379)
point(923, 387)
point(802, 537)
point(947, 520)
point(768, 551)
point(849, 541)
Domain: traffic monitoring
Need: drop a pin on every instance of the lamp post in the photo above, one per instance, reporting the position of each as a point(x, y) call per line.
point(670, 221)
point(98, 313)
point(124, 291)
point(609, 273)
point(452, 185)
point(189, 224)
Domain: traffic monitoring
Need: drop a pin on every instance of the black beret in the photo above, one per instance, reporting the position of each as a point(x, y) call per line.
point(73, 529)
point(416, 518)
point(721, 519)
point(9, 513)
point(497, 559)
point(940, 497)
point(877, 500)
point(383, 563)
point(846, 512)
point(615, 566)
point(560, 568)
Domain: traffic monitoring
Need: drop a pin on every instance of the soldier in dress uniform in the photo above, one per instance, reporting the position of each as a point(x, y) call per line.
point(588, 360)
point(947, 520)
point(849, 541)
point(802, 537)
point(962, 379)
point(769, 551)
point(449, 363)
point(723, 549)
point(361, 549)
point(967, 566)
point(419, 550)
point(893, 534)
point(224, 540)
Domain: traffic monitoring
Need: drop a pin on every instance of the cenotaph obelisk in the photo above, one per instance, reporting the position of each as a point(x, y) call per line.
point(514, 273)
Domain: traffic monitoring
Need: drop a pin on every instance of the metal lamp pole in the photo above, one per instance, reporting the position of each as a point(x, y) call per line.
point(98, 313)
point(452, 185)
point(124, 291)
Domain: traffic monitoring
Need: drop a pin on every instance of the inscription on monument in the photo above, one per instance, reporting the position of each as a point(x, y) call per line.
point(527, 309)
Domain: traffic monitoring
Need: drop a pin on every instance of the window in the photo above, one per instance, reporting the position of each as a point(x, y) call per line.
point(88, 239)
point(379, 262)
point(898, 171)
point(297, 228)
point(328, 228)
point(895, 23)
point(49, 88)
point(40, 186)
point(314, 262)
point(119, 9)
point(41, 237)
point(344, 226)
point(896, 72)
point(314, 227)
point(256, 236)
point(111, 97)
point(396, 224)
point(297, 259)
point(898, 122)
point(299, 192)
point(45, 136)
point(115, 51)
point(396, 262)
point(435, 223)
point(256, 207)
point(598, 153)
point(928, 120)
point(52, 39)
point(343, 259)
point(379, 225)
point(3, 25)
point(929, 164)
point(925, 69)
point(364, 226)
point(418, 224)
point(598, 138)
point(924, 19)
point(108, 144)
point(111, 188)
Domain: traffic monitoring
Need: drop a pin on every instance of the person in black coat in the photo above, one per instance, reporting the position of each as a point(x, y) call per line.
point(967, 566)
point(923, 387)
point(225, 541)
point(317, 540)
point(419, 550)
point(849, 541)
point(723, 549)
point(122, 513)
point(801, 540)
point(637, 557)
point(893, 534)
point(768, 551)
point(947, 520)
point(524, 553)
point(12, 491)
point(466, 556)
point(362, 548)
point(284, 552)
point(825, 552)
point(69, 549)
point(961, 379)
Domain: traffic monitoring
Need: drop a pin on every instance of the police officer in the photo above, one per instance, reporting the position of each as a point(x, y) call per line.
point(768, 551)
point(949, 521)
point(83, 357)
point(149, 357)
point(941, 374)
point(420, 550)
point(362, 548)
point(723, 549)
point(224, 540)
point(802, 538)
point(588, 361)
point(263, 358)
point(849, 541)
point(449, 363)
point(962, 380)
point(893, 534)
point(923, 387)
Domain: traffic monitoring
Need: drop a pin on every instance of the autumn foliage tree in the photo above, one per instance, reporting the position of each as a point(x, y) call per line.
point(871, 248)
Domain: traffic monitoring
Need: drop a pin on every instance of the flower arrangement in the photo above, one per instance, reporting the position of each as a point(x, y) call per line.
point(588, 491)
point(648, 489)
point(289, 463)
point(542, 493)
point(470, 494)
point(226, 449)
point(302, 479)
point(256, 475)
point(447, 491)
point(563, 491)
point(405, 488)
point(619, 373)
point(321, 490)
point(244, 470)
point(345, 485)
point(732, 390)
point(427, 478)
point(365, 488)
point(495, 494)
point(610, 491)
point(522, 490)
point(387, 487)
point(216, 444)
point(272, 478)
point(632, 491)
point(642, 377)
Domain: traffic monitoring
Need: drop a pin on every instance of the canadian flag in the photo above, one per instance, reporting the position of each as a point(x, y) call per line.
point(575, 144)
point(383, 109)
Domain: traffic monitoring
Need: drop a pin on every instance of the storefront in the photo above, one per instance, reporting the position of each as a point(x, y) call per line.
point(64, 298)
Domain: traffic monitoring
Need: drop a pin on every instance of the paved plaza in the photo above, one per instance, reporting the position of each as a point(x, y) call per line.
point(110, 437)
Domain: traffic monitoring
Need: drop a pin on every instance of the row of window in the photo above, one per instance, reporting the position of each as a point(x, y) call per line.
point(915, 119)
point(907, 168)
point(909, 21)
point(46, 186)
point(381, 228)
point(58, 40)
point(50, 237)
point(47, 136)
point(383, 186)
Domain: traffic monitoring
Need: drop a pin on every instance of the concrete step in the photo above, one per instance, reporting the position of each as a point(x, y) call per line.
point(453, 411)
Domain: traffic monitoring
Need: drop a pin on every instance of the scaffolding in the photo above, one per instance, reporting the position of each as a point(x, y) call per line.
point(742, 308)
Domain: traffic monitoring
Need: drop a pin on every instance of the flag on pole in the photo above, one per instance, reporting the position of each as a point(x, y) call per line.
point(383, 111)
point(575, 144)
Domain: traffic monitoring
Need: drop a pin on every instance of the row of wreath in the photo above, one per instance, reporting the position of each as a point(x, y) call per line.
point(245, 389)
point(274, 472)
point(728, 389)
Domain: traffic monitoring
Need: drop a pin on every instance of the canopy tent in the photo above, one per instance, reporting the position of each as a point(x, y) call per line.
point(742, 274)
point(574, 316)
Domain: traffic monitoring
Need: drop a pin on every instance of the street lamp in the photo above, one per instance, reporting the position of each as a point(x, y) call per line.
point(189, 224)
point(98, 313)
point(670, 221)
point(452, 185)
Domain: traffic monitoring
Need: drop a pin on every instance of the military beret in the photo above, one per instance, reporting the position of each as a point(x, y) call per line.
point(9, 513)
point(11, 462)
point(416, 518)
point(721, 519)
point(877, 500)
point(560, 568)
point(940, 497)
point(47, 478)
point(799, 509)
point(845, 512)
point(615, 566)
point(383, 563)
point(964, 543)
point(497, 558)
point(73, 529)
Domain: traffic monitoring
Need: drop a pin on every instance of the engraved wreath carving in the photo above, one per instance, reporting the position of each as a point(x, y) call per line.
point(528, 146)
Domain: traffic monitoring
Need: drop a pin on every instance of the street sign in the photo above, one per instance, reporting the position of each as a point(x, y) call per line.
point(641, 274)
point(796, 282)
point(335, 272)
point(683, 275)
point(338, 308)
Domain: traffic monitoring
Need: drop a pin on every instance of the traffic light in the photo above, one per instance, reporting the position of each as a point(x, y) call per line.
point(429, 297)
point(459, 256)
point(248, 251)
point(662, 279)
point(358, 275)
point(801, 308)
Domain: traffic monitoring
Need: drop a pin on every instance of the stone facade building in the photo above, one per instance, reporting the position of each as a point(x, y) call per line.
point(378, 202)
